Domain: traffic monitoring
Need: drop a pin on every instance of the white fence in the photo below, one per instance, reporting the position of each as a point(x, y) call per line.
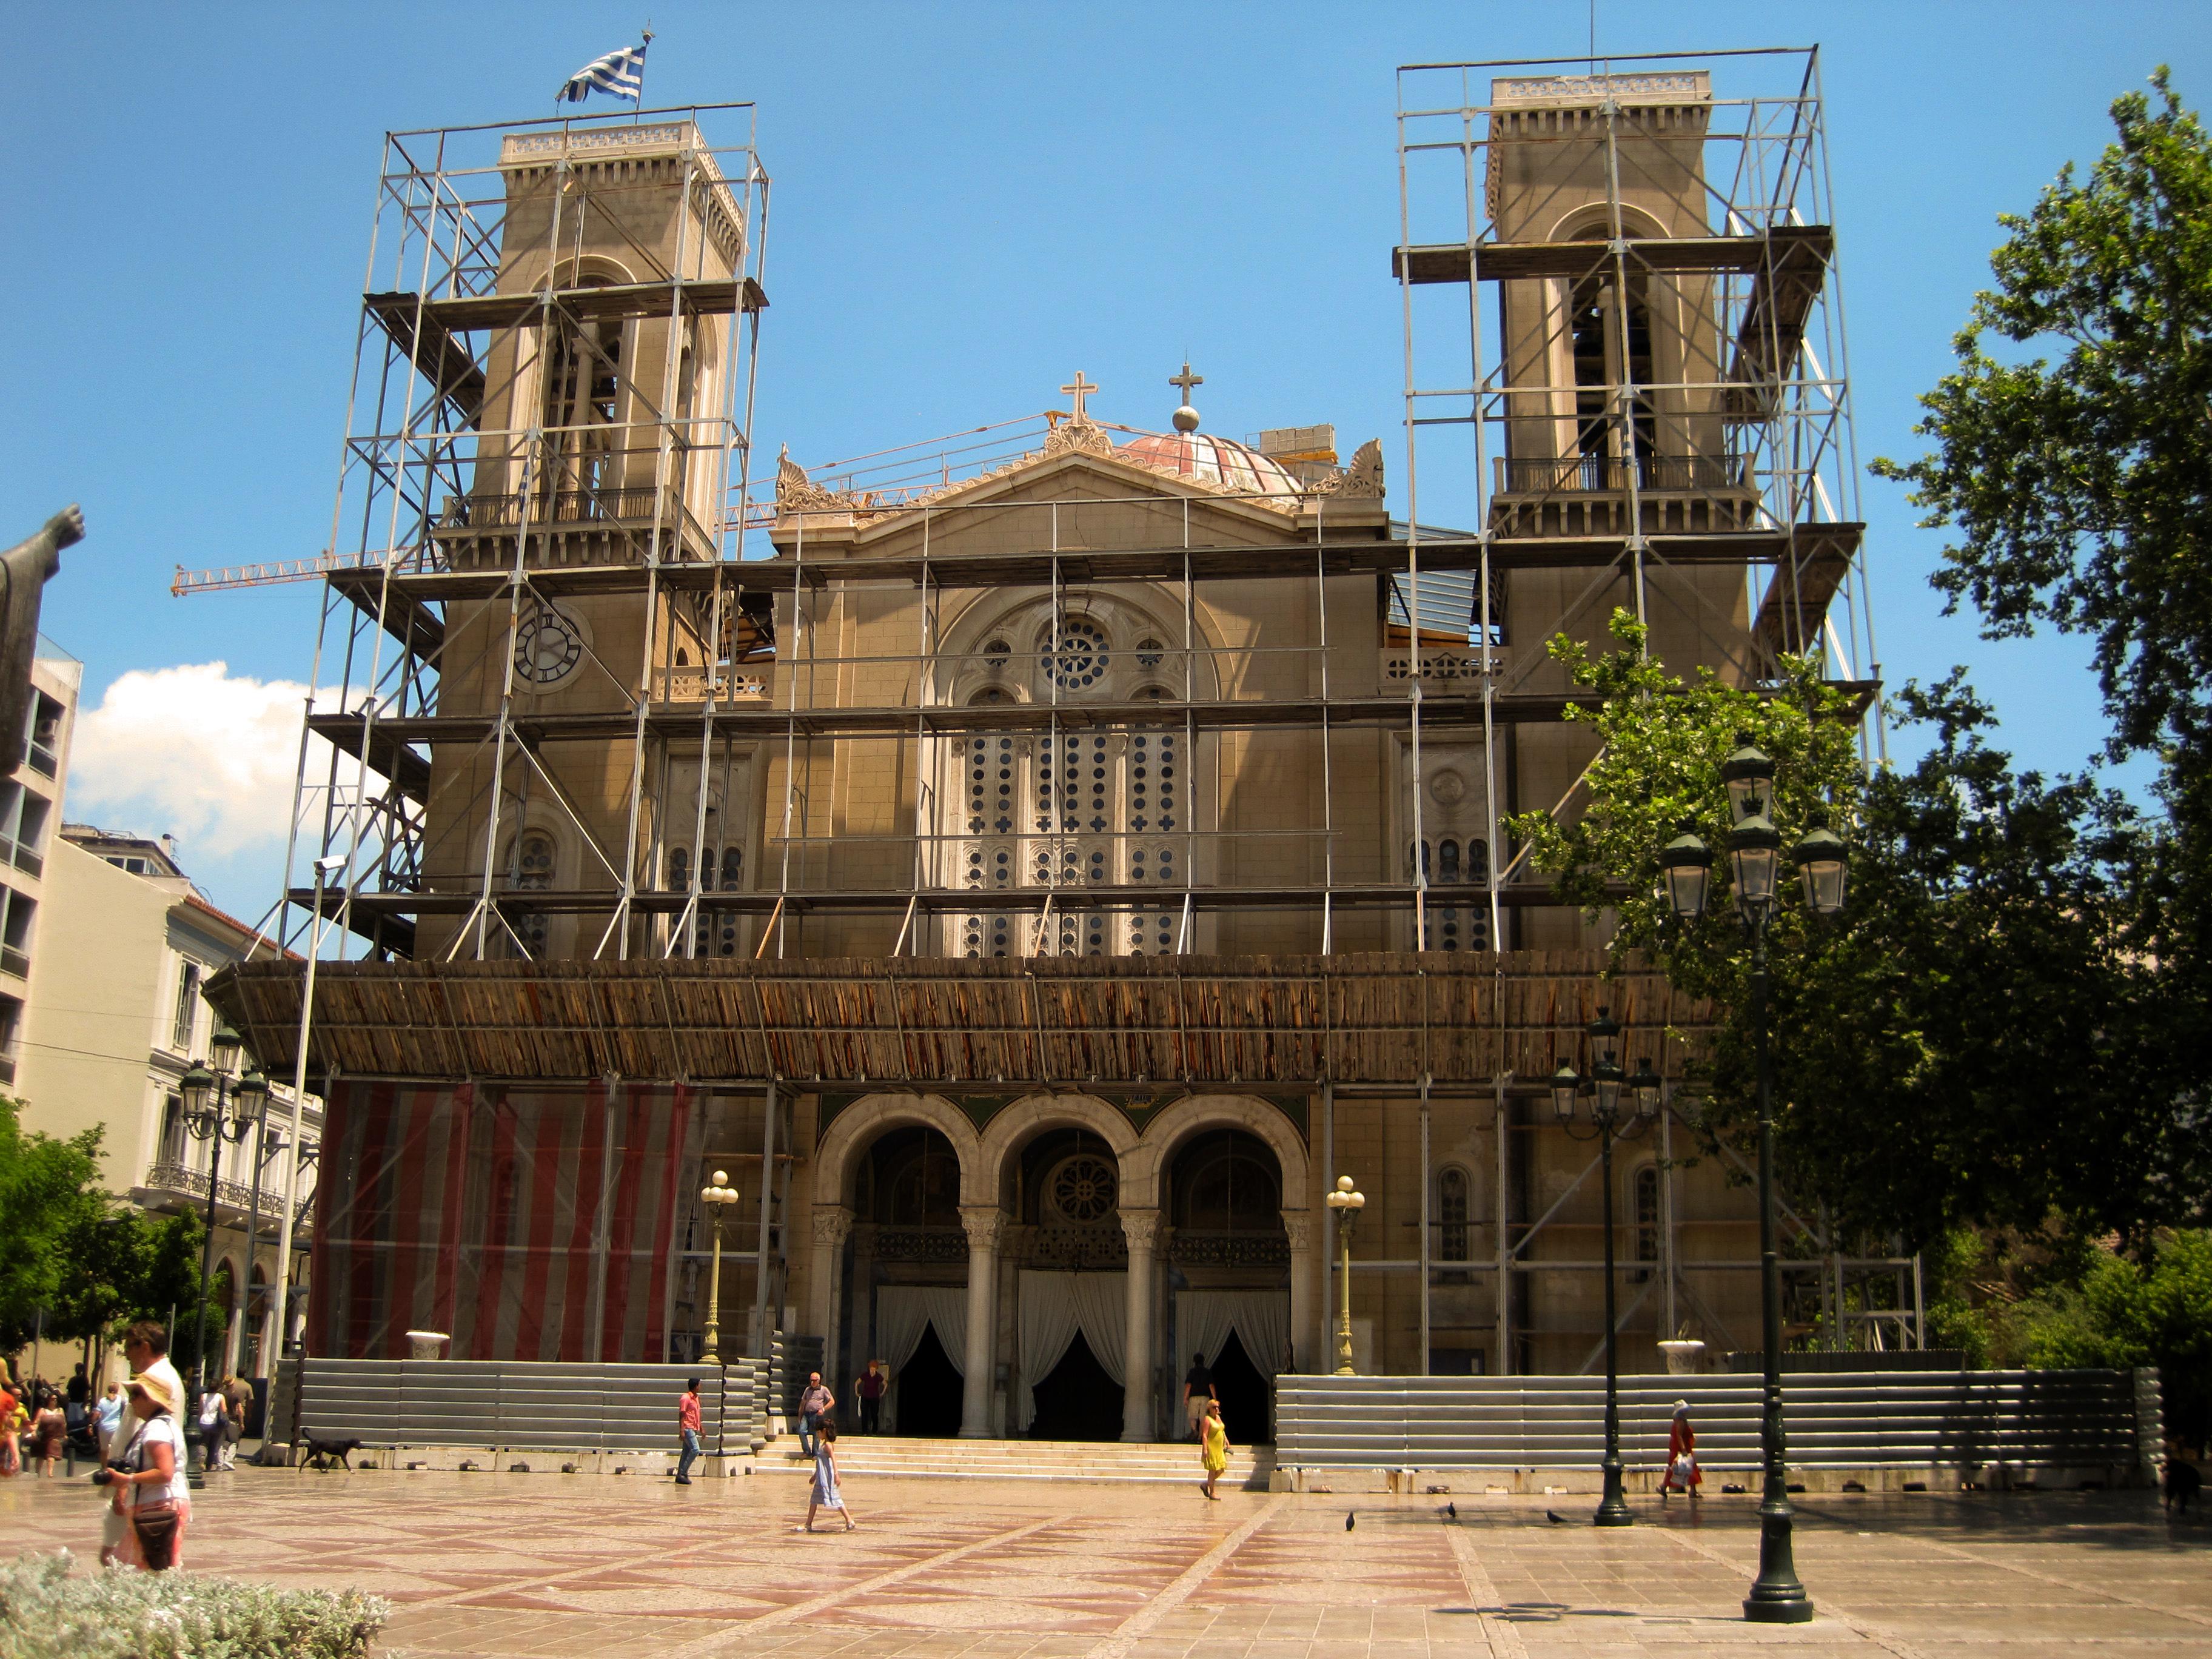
point(2081, 1419)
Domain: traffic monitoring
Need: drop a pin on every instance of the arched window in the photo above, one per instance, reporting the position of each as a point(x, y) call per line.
point(1453, 1198)
point(583, 377)
point(1645, 1202)
point(530, 869)
point(1600, 365)
point(1226, 1181)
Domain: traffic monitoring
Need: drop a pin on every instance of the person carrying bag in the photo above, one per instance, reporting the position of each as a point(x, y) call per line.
point(149, 1474)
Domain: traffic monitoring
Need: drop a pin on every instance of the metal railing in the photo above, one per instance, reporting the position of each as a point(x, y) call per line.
point(1918, 1419)
point(1605, 475)
point(645, 504)
point(170, 1177)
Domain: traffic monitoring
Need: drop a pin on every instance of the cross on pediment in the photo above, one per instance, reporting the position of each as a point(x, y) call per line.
point(1185, 380)
point(1079, 389)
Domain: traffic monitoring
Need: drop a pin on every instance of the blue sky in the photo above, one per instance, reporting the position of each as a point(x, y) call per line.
point(970, 204)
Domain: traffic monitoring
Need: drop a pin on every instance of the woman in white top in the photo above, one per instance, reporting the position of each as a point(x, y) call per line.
point(150, 1484)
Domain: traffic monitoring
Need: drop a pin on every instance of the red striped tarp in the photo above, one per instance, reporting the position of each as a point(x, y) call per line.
point(532, 1223)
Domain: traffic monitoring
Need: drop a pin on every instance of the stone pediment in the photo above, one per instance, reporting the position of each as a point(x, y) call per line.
point(1077, 463)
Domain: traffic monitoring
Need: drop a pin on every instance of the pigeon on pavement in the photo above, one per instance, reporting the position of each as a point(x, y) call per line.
point(1348, 1518)
point(1555, 1517)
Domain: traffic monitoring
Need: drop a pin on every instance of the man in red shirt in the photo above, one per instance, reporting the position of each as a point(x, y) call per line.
point(687, 1419)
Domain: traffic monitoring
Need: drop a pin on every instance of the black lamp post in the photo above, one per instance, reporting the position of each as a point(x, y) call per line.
point(1754, 857)
point(216, 1110)
point(1602, 1090)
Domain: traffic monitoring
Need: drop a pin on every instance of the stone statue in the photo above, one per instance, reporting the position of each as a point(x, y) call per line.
point(24, 569)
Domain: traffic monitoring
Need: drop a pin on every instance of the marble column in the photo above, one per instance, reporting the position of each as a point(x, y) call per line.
point(986, 1224)
point(1297, 1228)
point(1141, 1228)
point(832, 1223)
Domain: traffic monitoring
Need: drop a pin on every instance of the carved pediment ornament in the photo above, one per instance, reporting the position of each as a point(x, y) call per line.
point(1080, 436)
point(1361, 481)
point(796, 492)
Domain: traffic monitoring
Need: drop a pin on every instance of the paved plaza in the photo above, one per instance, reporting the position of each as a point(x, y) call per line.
point(485, 1565)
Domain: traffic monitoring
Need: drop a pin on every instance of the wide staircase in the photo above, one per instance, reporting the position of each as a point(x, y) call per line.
point(892, 1455)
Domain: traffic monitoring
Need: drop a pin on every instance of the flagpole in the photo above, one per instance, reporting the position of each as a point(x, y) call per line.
point(639, 109)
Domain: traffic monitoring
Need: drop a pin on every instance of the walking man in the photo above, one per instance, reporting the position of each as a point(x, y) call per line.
point(1197, 1389)
point(815, 1404)
point(686, 1421)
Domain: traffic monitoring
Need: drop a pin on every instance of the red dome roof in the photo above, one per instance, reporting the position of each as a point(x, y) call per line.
point(1204, 459)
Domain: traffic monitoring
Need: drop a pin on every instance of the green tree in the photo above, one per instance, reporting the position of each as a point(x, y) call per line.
point(2078, 488)
point(2153, 1311)
point(1967, 1046)
point(49, 1191)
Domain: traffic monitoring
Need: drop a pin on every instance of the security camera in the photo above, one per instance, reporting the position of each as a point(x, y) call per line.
point(332, 864)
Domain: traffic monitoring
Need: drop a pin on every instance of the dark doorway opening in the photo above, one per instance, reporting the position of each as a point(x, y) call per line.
point(928, 1388)
point(1245, 1396)
point(1077, 1400)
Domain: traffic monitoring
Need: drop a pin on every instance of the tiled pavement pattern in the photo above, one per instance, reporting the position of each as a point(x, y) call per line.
point(484, 1565)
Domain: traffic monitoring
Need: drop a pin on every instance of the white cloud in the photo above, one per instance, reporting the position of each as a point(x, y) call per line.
point(193, 752)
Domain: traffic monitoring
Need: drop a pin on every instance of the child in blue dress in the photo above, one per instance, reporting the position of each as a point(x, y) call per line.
point(825, 1494)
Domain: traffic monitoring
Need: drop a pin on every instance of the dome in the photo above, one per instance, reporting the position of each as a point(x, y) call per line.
point(1204, 459)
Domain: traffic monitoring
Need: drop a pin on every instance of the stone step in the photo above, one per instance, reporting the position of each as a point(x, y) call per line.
point(1027, 1460)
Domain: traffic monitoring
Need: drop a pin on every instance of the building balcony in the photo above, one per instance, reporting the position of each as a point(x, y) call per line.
point(681, 685)
point(1589, 494)
point(172, 1186)
point(569, 527)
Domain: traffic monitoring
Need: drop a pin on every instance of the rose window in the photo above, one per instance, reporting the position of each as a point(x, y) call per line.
point(1079, 660)
point(1083, 1188)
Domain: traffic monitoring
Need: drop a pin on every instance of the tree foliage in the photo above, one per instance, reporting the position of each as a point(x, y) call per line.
point(74, 1261)
point(1968, 1045)
point(2078, 488)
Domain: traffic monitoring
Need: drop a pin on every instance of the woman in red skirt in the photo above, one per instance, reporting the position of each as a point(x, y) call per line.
point(1681, 1457)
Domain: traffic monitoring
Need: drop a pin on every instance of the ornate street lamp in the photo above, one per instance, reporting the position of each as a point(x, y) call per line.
point(1601, 1093)
point(1755, 856)
point(717, 1196)
point(1347, 1204)
point(216, 1111)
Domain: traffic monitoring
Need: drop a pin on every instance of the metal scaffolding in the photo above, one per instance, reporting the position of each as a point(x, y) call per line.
point(1623, 366)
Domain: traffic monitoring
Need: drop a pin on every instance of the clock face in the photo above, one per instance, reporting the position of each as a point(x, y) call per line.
point(547, 647)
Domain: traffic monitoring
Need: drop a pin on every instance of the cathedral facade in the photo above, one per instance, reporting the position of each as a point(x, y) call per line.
point(1034, 886)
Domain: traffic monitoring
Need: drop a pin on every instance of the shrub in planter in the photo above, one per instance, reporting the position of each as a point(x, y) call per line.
point(46, 1613)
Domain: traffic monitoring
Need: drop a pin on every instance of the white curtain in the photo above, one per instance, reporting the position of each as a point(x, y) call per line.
point(1052, 1308)
point(903, 1312)
point(1262, 1319)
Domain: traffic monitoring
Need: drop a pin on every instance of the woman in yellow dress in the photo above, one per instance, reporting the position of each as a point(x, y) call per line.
point(1214, 1447)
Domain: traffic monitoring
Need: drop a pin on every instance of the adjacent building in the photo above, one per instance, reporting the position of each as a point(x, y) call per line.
point(115, 1020)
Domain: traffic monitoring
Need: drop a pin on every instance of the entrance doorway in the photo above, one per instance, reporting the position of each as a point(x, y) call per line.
point(928, 1388)
point(1245, 1397)
point(1077, 1400)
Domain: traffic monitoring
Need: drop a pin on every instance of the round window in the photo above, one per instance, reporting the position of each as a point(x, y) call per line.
point(1082, 1189)
point(1080, 659)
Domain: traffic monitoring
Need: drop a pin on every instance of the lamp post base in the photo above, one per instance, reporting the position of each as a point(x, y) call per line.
point(1797, 1610)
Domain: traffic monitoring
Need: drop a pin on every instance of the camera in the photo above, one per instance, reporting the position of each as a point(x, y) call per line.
point(106, 1473)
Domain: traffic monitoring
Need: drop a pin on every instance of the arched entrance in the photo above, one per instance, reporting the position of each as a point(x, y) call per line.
point(1229, 1273)
point(1072, 1286)
point(908, 1279)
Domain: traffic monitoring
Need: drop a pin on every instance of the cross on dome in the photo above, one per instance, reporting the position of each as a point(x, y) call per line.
point(1186, 417)
point(1078, 390)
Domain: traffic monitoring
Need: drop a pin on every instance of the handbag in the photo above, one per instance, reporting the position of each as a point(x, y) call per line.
point(156, 1526)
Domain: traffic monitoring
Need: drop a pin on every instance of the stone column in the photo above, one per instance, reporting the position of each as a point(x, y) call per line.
point(985, 1223)
point(1297, 1228)
point(1140, 1228)
point(832, 1223)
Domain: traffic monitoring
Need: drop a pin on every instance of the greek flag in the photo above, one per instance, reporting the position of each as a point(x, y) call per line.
point(621, 74)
